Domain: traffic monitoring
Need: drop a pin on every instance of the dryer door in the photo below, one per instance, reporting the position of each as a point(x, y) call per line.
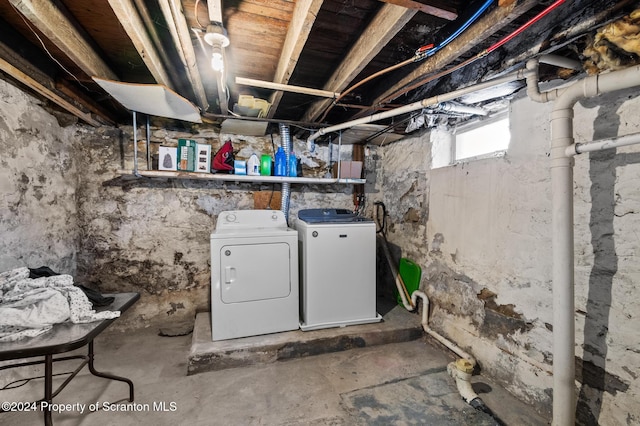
point(250, 272)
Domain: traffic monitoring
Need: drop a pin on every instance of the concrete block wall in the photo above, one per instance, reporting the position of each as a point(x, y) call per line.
point(482, 234)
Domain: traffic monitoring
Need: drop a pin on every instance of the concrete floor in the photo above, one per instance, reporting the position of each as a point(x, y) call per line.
point(398, 383)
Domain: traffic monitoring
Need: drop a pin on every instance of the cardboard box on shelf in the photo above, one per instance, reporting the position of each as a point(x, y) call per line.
point(187, 155)
point(348, 170)
point(203, 158)
point(167, 158)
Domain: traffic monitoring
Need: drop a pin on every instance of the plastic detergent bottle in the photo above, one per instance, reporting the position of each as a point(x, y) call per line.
point(281, 163)
point(293, 164)
point(253, 165)
point(265, 165)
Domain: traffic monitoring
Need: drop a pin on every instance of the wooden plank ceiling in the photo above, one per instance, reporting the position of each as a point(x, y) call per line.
point(54, 47)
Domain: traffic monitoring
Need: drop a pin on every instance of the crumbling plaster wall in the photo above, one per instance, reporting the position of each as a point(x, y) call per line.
point(63, 204)
point(153, 235)
point(38, 179)
point(486, 253)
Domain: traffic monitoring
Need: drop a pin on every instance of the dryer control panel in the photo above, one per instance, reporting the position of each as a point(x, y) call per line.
point(329, 216)
point(250, 219)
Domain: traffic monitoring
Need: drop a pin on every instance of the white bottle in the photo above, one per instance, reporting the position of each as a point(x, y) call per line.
point(253, 166)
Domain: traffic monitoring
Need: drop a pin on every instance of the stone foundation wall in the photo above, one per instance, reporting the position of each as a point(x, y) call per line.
point(153, 235)
point(38, 183)
point(481, 231)
point(64, 204)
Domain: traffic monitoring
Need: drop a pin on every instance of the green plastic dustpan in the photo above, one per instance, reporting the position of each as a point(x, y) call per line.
point(410, 274)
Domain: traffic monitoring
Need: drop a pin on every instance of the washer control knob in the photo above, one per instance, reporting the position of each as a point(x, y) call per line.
point(231, 218)
point(314, 233)
point(274, 217)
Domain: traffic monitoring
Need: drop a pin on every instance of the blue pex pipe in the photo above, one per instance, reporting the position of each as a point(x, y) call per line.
point(464, 26)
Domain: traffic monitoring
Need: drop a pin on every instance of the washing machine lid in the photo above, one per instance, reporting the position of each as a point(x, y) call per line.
point(239, 221)
point(330, 216)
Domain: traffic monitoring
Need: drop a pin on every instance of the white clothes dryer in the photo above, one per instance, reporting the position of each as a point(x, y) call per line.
point(254, 274)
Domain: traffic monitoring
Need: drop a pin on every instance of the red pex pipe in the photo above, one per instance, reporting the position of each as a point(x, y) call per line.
point(525, 26)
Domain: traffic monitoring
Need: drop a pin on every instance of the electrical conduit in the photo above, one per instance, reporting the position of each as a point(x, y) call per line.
point(564, 400)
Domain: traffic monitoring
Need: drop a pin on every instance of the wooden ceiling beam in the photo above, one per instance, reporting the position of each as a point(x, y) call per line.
point(129, 18)
point(486, 26)
point(51, 22)
point(429, 8)
point(47, 93)
point(64, 87)
point(304, 16)
point(152, 29)
point(179, 30)
point(383, 27)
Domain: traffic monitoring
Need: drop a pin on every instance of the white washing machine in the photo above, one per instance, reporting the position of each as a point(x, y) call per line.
point(254, 274)
point(338, 269)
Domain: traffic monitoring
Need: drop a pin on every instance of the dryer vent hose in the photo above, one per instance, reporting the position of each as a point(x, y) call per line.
point(285, 142)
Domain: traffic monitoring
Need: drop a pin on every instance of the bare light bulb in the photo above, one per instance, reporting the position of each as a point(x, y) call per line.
point(216, 61)
point(216, 36)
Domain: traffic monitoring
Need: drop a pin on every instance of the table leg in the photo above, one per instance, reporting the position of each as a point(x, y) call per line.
point(48, 388)
point(107, 375)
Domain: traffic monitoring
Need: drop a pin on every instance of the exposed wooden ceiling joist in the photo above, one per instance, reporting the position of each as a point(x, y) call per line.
point(387, 22)
point(285, 87)
point(181, 36)
point(130, 20)
point(444, 13)
point(66, 88)
point(480, 31)
point(304, 15)
point(323, 44)
point(51, 22)
point(47, 93)
point(145, 16)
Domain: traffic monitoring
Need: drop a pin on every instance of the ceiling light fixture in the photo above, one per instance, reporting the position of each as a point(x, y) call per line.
point(216, 37)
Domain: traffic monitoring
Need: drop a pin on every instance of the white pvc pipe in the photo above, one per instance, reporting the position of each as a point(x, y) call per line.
point(460, 370)
point(564, 403)
point(463, 381)
point(517, 75)
point(560, 62)
point(425, 325)
point(602, 144)
point(563, 250)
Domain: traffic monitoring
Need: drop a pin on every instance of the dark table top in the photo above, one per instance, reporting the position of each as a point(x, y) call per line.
point(66, 336)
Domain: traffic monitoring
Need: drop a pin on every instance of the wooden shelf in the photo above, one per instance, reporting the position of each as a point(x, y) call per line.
point(241, 178)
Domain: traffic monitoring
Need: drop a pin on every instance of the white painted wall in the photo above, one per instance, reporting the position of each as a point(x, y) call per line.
point(488, 226)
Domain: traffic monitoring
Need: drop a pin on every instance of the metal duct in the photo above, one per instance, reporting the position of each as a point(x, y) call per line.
point(285, 142)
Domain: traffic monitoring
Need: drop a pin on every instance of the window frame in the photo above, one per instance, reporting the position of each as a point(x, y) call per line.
point(477, 124)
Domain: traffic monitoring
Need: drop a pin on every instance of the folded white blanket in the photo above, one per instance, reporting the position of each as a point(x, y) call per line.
point(29, 307)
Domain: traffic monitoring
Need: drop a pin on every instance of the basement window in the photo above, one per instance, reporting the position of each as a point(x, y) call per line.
point(483, 139)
